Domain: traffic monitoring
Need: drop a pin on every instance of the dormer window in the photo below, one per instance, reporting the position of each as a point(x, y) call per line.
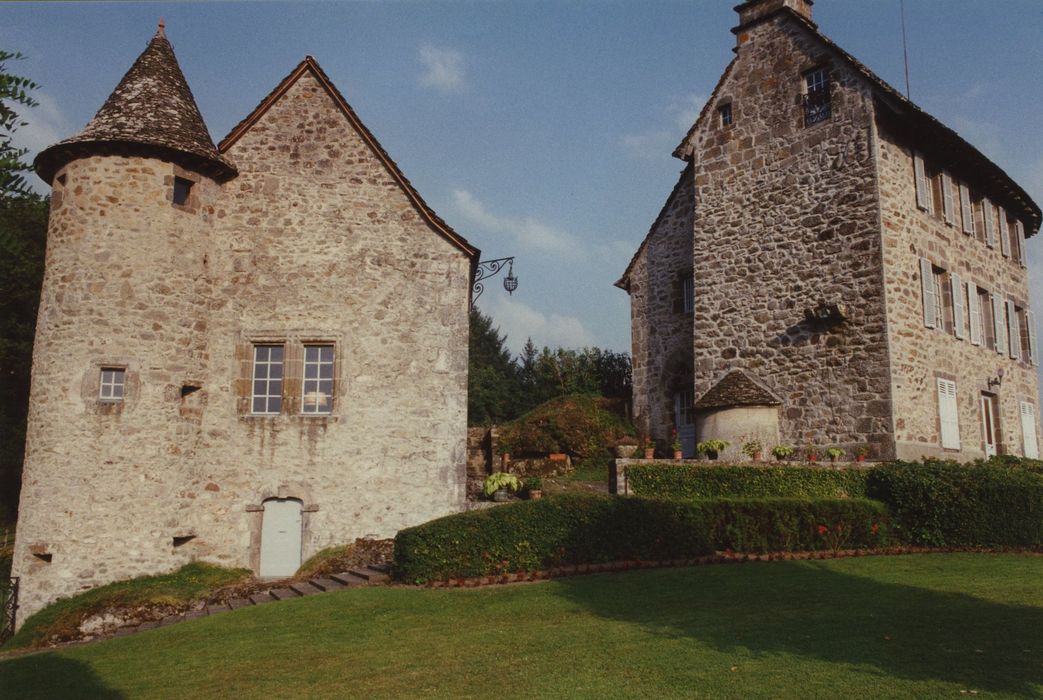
point(182, 190)
point(818, 106)
point(725, 112)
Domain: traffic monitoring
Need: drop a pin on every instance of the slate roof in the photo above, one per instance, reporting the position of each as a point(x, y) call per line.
point(309, 64)
point(151, 112)
point(737, 389)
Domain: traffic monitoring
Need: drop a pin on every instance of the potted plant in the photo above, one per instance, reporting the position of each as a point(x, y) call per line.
point(675, 445)
point(753, 449)
point(811, 452)
point(782, 452)
point(534, 487)
point(626, 446)
point(835, 453)
point(861, 453)
point(649, 448)
point(500, 485)
point(711, 448)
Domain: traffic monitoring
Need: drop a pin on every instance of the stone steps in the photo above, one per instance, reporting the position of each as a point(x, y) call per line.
point(373, 574)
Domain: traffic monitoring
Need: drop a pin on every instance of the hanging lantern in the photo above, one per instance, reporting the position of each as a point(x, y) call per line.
point(510, 282)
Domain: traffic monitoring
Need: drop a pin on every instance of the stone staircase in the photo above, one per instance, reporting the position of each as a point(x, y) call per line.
point(352, 578)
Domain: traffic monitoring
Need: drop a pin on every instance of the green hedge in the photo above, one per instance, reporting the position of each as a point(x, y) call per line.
point(574, 529)
point(947, 504)
point(694, 481)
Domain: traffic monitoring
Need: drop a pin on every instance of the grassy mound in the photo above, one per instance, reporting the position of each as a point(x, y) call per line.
point(582, 426)
point(174, 592)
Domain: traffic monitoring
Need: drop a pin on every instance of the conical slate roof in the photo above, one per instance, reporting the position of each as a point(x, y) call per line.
point(151, 112)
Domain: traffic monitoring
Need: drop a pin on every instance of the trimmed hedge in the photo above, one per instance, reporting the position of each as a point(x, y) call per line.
point(732, 481)
point(938, 503)
point(579, 529)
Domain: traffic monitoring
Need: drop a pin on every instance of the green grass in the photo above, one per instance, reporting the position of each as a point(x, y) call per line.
point(896, 627)
point(175, 591)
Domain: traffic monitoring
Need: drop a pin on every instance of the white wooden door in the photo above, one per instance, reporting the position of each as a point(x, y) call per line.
point(280, 537)
point(988, 425)
point(684, 419)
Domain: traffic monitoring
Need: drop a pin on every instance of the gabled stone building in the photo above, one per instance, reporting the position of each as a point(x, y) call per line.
point(834, 266)
point(244, 353)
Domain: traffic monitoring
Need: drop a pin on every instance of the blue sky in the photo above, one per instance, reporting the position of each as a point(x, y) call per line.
point(541, 130)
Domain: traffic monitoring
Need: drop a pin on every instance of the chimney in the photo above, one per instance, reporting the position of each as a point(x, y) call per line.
point(752, 11)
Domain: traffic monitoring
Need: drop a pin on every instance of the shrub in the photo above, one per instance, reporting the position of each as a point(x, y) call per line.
point(944, 503)
point(695, 481)
point(575, 529)
point(581, 426)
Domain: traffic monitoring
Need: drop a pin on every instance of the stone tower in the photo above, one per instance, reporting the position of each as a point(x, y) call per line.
point(123, 305)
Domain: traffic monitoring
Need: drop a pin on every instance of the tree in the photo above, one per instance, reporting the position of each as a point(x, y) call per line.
point(493, 389)
point(14, 93)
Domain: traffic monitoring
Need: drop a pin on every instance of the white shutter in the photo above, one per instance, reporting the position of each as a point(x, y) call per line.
point(974, 308)
point(948, 414)
point(1004, 233)
point(929, 292)
point(923, 194)
point(1030, 321)
point(1013, 331)
point(966, 210)
point(948, 208)
point(1019, 229)
point(1030, 445)
point(958, 324)
point(990, 227)
point(999, 324)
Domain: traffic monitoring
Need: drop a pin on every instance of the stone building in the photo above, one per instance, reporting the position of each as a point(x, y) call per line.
point(834, 267)
point(244, 353)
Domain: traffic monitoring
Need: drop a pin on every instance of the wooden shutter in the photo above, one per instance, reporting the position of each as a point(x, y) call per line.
point(929, 292)
point(923, 193)
point(1029, 443)
point(948, 414)
point(1013, 331)
point(974, 309)
point(1030, 321)
point(990, 224)
point(958, 323)
point(999, 324)
point(1004, 233)
point(966, 210)
point(1019, 230)
point(948, 208)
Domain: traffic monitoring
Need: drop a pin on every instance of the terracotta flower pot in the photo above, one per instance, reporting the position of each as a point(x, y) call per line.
point(678, 455)
point(860, 458)
point(649, 453)
point(756, 456)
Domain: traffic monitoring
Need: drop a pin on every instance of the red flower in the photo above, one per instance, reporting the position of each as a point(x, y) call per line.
point(822, 530)
point(874, 528)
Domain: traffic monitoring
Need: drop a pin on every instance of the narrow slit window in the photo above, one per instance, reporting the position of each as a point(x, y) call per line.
point(317, 397)
point(182, 190)
point(725, 111)
point(267, 380)
point(113, 384)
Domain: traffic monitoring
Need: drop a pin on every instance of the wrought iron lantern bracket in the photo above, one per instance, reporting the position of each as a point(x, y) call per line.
point(491, 268)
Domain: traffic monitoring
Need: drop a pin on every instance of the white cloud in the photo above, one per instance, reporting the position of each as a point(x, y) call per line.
point(650, 145)
point(444, 68)
point(519, 321)
point(686, 110)
point(527, 233)
point(659, 142)
point(46, 126)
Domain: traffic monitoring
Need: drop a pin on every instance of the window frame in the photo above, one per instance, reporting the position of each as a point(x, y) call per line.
point(116, 372)
point(817, 96)
point(268, 379)
point(319, 362)
point(725, 115)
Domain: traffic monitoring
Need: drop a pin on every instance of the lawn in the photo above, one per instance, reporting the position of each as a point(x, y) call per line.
point(897, 627)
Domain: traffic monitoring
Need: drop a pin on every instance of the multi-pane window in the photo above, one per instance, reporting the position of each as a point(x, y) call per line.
point(818, 106)
point(317, 396)
point(725, 111)
point(113, 383)
point(684, 407)
point(266, 396)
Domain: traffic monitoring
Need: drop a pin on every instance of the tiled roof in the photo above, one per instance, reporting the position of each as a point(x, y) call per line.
point(737, 389)
point(309, 64)
point(151, 112)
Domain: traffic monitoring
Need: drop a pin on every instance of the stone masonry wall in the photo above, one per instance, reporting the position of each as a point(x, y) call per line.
point(785, 220)
point(921, 354)
point(661, 332)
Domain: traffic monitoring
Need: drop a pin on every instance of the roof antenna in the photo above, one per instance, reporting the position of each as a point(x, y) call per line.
point(162, 28)
point(905, 50)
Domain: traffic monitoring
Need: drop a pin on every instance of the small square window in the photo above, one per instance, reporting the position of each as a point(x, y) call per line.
point(113, 384)
point(725, 111)
point(317, 397)
point(182, 190)
point(266, 392)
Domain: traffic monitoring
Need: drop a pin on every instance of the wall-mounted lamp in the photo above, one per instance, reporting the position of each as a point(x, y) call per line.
point(997, 380)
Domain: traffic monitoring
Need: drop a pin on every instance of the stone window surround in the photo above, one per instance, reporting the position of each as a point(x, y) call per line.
point(725, 113)
point(90, 385)
point(807, 71)
point(293, 343)
point(191, 206)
